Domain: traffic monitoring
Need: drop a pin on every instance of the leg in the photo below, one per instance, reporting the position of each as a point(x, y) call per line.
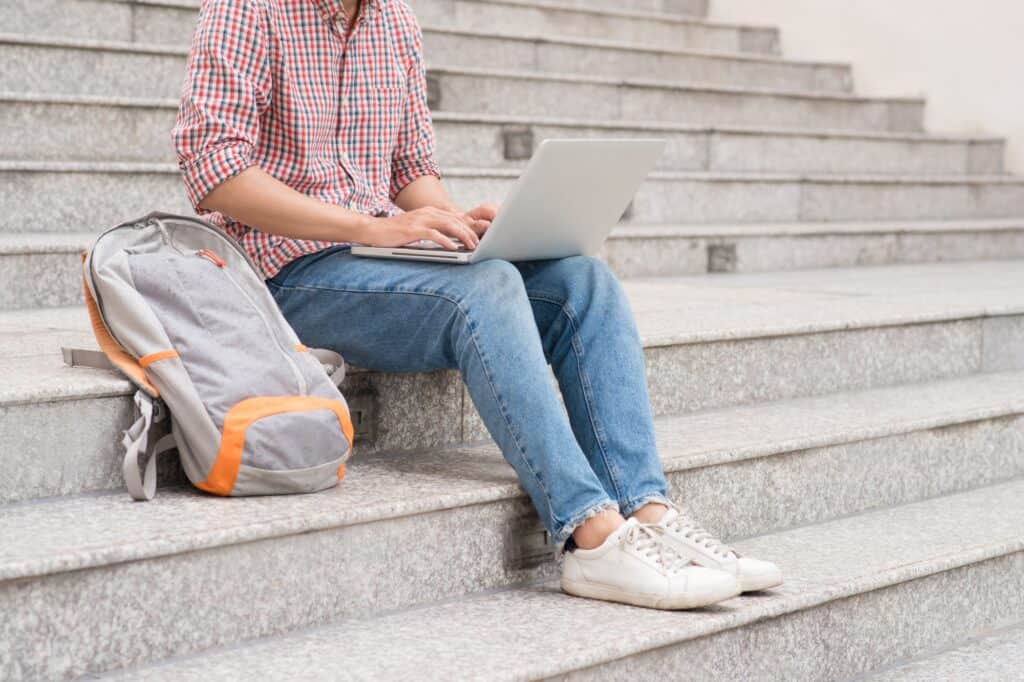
point(408, 316)
point(591, 340)
point(589, 335)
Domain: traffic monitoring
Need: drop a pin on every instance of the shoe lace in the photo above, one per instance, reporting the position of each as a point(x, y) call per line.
point(646, 540)
point(688, 528)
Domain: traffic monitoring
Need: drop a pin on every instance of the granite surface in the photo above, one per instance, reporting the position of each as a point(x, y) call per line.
point(993, 656)
point(711, 342)
point(559, 94)
point(692, 310)
point(842, 638)
point(173, 23)
point(93, 20)
point(109, 191)
point(110, 528)
point(94, 128)
point(840, 576)
point(632, 251)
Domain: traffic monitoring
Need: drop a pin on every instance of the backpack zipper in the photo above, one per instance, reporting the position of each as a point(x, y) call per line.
point(299, 378)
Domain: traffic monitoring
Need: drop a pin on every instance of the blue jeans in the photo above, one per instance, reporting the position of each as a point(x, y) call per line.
point(500, 324)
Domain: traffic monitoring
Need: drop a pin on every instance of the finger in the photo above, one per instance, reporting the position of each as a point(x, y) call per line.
point(438, 237)
point(480, 226)
point(485, 211)
point(469, 221)
point(465, 234)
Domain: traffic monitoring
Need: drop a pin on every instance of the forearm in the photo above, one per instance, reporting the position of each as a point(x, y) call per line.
point(424, 191)
point(255, 198)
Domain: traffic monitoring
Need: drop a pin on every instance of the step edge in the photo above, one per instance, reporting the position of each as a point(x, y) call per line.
point(552, 76)
point(64, 99)
point(654, 84)
point(112, 385)
point(282, 526)
point(39, 243)
point(669, 17)
point(814, 595)
point(167, 168)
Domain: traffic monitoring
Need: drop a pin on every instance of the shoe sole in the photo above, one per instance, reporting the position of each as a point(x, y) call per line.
point(752, 585)
point(612, 594)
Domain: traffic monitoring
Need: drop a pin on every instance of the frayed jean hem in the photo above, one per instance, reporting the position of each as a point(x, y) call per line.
point(629, 506)
point(565, 532)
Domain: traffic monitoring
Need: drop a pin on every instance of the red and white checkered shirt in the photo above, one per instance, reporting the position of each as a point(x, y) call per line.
point(276, 84)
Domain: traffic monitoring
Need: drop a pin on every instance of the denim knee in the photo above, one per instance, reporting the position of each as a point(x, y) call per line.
point(494, 284)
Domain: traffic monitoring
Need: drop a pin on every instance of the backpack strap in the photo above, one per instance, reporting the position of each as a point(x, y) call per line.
point(143, 442)
point(111, 348)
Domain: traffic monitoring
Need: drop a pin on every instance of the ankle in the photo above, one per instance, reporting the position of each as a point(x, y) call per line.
point(595, 530)
point(652, 512)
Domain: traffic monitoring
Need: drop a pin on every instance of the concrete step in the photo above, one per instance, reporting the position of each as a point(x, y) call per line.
point(500, 49)
point(551, 52)
point(41, 269)
point(169, 22)
point(119, 70)
point(883, 575)
point(85, 196)
point(527, 93)
point(990, 656)
point(710, 343)
point(87, 128)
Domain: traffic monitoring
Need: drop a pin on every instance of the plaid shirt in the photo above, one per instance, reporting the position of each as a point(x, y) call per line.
point(277, 84)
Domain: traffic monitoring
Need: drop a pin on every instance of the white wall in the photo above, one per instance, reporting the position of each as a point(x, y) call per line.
point(967, 58)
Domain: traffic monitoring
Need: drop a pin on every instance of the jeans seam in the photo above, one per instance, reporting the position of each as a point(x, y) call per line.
point(476, 346)
point(566, 310)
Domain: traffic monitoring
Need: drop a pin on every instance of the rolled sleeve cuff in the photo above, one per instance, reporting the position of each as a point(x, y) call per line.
point(405, 172)
point(204, 173)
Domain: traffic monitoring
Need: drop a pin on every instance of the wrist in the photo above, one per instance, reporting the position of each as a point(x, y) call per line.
point(360, 228)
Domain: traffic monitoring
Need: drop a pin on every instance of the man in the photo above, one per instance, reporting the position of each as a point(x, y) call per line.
point(304, 128)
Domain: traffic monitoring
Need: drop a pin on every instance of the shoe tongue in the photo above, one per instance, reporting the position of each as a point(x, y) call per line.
point(624, 528)
point(621, 531)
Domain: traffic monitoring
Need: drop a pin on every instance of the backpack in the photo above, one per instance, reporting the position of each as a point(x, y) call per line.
point(182, 311)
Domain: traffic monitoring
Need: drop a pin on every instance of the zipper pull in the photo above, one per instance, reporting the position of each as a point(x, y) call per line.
point(211, 256)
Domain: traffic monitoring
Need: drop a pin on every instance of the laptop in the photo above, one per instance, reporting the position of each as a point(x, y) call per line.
point(565, 203)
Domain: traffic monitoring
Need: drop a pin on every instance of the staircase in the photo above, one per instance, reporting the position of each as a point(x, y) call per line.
point(831, 303)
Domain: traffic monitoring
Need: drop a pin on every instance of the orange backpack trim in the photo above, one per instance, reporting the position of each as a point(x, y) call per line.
point(117, 355)
point(224, 471)
point(147, 360)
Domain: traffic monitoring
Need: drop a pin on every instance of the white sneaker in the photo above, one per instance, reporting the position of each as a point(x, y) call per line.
point(635, 566)
point(702, 548)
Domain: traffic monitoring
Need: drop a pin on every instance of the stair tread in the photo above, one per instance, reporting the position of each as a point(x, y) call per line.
point(668, 310)
point(14, 243)
point(548, 4)
point(109, 527)
point(530, 36)
point(666, 84)
point(137, 167)
point(469, 117)
point(996, 655)
point(523, 74)
point(554, 633)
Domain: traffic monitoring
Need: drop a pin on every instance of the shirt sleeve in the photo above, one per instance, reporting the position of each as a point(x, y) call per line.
point(226, 90)
point(414, 147)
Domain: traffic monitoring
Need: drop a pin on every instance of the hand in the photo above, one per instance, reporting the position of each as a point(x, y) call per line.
point(433, 224)
point(482, 217)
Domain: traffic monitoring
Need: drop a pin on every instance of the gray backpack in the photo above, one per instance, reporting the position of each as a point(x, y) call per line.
point(181, 310)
